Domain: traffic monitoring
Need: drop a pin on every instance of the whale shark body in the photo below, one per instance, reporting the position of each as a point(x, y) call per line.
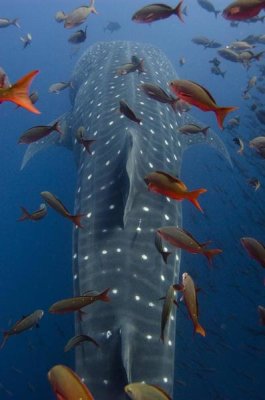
point(116, 247)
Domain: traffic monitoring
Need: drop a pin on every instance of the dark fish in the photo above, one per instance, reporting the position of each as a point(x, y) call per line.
point(255, 249)
point(58, 206)
point(239, 45)
point(80, 137)
point(58, 87)
point(182, 61)
point(23, 324)
point(255, 183)
point(35, 216)
point(38, 132)
point(128, 112)
point(157, 93)
point(78, 302)
point(27, 39)
point(240, 10)
point(67, 385)
point(258, 144)
point(160, 248)
point(112, 27)
point(217, 71)
point(215, 62)
point(240, 143)
point(78, 339)
point(155, 12)
point(208, 6)
point(193, 129)
point(201, 41)
point(184, 240)
point(136, 64)
point(166, 310)
point(78, 37)
point(191, 302)
point(198, 96)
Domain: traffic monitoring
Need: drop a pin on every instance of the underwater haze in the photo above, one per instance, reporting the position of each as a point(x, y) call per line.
point(41, 260)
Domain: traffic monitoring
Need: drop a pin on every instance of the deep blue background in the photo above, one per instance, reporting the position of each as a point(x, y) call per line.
point(35, 259)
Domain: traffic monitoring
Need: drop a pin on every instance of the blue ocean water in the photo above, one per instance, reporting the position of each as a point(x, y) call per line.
point(36, 257)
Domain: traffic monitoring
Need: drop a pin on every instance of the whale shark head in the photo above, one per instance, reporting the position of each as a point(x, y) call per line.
point(116, 247)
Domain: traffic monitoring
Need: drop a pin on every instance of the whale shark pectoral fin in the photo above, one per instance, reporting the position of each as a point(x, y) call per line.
point(65, 139)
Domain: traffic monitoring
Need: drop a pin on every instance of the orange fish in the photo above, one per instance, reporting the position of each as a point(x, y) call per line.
point(167, 185)
point(18, 92)
point(67, 385)
point(198, 96)
point(190, 299)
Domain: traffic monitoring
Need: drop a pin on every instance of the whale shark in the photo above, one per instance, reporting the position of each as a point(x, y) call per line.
point(115, 248)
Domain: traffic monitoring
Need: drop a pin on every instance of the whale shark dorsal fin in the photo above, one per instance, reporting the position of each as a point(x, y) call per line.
point(53, 139)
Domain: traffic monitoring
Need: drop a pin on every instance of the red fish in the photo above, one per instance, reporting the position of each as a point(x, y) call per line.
point(18, 93)
point(240, 10)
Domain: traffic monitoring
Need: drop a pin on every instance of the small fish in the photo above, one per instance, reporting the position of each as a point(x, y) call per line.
point(143, 391)
point(201, 41)
point(258, 144)
point(5, 22)
point(166, 310)
point(112, 27)
point(38, 132)
point(184, 240)
point(191, 302)
point(23, 324)
point(136, 64)
point(18, 92)
point(229, 55)
point(182, 61)
point(261, 311)
point(251, 83)
point(80, 133)
point(198, 96)
point(34, 97)
point(79, 15)
point(208, 6)
point(240, 143)
point(60, 16)
point(78, 37)
point(78, 302)
point(157, 93)
point(215, 62)
point(27, 39)
point(78, 339)
point(217, 71)
point(155, 12)
point(193, 129)
point(34, 216)
point(128, 112)
point(167, 185)
point(58, 87)
point(160, 248)
point(255, 183)
point(67, 385)
point(255, 249)
point(240, 10)
point(241, 45)
point(58, 206)
point(245, 57)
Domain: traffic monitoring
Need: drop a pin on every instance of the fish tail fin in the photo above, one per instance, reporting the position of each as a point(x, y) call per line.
point(221, 113)
point(25, 214)
point(216, 13)
point(211, 253)
point(193, 197)
point(104, 295)
point(4, 340)
point(199, 329)
point(76, 219)
point(15, 22)
point(205, 130)
point(259, 55)
point(93, 10)
point(165, 255)
point(18, 93)
point(178, 11)
point(56, 127)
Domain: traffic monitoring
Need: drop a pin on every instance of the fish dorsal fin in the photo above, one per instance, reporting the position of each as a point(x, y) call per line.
point(205, 90)
point(162, 391)
point(172, 179)
point(190, 235)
